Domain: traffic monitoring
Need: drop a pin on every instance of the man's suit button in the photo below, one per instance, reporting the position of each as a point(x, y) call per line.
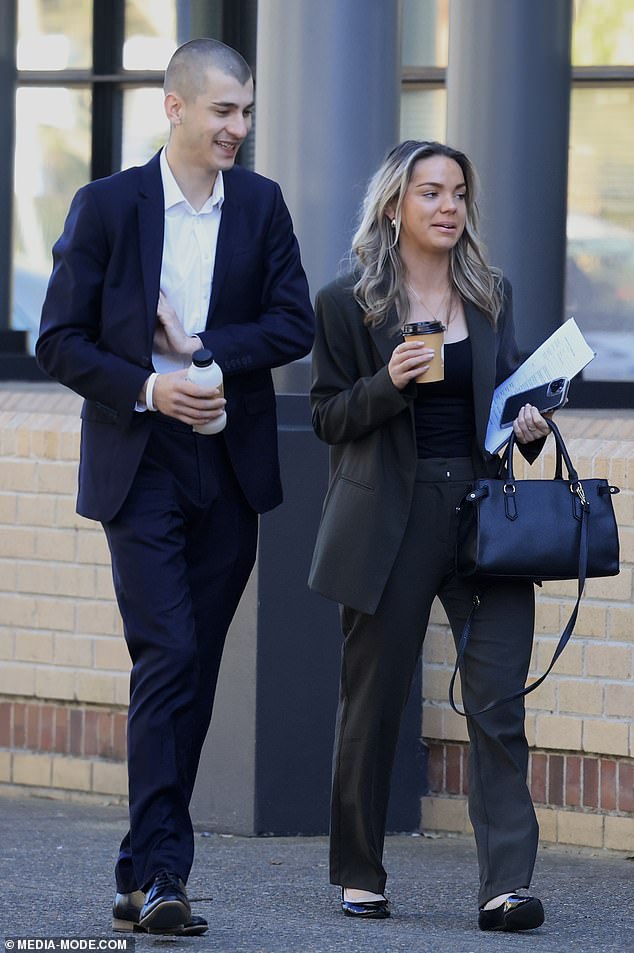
point(145, 361)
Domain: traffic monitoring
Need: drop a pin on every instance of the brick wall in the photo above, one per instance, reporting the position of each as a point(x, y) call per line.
point(64, 667)
point(63, 661)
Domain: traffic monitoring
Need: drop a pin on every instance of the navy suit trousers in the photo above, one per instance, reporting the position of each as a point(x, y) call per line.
point(182, 546)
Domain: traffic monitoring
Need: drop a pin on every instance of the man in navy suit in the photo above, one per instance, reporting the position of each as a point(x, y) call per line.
point(155, 262)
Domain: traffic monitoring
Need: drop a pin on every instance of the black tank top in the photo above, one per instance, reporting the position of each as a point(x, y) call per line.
point(443, 410)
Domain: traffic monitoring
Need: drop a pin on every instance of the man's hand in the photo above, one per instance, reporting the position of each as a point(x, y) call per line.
point(177, 397)
point(169, 336)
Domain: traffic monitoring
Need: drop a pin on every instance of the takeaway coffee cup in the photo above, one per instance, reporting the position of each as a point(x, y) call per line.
point(431, 334)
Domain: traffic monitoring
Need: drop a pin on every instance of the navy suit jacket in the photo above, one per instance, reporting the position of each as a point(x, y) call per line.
point(99, 318)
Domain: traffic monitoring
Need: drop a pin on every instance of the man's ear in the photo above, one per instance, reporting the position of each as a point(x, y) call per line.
point(174, 108)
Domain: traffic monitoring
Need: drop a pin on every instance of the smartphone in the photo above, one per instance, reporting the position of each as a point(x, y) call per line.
point(548, 396)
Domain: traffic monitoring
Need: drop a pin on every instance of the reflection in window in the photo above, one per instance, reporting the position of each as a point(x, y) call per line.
point(54, 34)
point(603, 33)
point(423, 113)
point(425, 32)
point(145, 125)
point(600, 265)
point(52, 160)
point(151, 34)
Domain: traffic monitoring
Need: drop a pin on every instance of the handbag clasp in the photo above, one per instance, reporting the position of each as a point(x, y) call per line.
point(578, 489)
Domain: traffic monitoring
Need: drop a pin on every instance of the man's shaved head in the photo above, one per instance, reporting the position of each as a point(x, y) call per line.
point(185, 73)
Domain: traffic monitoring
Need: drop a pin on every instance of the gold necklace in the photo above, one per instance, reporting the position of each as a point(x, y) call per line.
point(447, 299)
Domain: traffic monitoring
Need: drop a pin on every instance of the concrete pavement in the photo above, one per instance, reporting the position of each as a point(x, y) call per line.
point(271, 895)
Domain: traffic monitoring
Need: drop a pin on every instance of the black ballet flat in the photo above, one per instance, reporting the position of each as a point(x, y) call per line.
point(366, 910)
point(516, 913)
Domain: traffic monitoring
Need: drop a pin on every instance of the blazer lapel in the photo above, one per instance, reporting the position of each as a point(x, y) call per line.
point(226, 243)
point(385, 337)
point(151, 228)
point(483, 352)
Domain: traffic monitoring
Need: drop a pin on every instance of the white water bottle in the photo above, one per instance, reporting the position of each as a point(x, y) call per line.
point(204, 372)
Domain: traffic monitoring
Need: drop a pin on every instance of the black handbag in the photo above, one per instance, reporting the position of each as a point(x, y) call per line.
point(562, 528)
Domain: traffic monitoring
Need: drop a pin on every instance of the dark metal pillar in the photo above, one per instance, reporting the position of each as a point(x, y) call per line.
point(328, 107)
point(328, 104)
point(107, 98)
point(508, 95)
point(8, 34)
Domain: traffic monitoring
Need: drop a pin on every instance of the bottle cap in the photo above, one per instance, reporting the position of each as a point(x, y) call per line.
point(203, 357)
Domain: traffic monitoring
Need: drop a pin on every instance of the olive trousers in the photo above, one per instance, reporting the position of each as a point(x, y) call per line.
point(379, 656)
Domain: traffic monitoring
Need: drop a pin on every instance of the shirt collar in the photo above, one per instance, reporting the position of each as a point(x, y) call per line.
point(173, 195)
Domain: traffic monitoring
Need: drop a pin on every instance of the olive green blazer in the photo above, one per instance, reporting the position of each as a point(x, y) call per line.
point(369, 425)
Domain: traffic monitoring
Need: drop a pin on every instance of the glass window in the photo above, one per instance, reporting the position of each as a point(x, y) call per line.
point(150, 33)
point(425, 32)
point(603, 33)
point(145, 125)
point(54, 34)
point(600, 260)
point(52, 160)
point(423, 113)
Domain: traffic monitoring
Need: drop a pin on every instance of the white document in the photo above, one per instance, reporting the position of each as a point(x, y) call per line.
point(563, 354)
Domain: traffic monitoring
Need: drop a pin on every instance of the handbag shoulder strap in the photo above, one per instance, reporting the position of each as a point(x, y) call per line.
point(563, 640)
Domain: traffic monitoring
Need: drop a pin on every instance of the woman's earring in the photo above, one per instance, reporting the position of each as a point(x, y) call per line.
point(393, 224)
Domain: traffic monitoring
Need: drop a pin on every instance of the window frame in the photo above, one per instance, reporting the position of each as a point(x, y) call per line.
point(107, 82)
point(585, 394)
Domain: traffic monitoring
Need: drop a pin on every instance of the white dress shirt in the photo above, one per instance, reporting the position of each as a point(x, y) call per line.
point(189, 252)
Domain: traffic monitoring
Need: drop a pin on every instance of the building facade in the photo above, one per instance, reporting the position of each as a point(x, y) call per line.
point(541, 94)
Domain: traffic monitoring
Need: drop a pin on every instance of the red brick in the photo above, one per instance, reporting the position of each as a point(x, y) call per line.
point(6, 741)
point(33, 727)
point(120, 737)
point(452, 769)
point(608, 785)
point(556, 779)
point(91, 742)
point(626, 788)
point(19, 725)
point(590, 782)
point(436, 768)
point(105, 723)
point(573, 781)
point(539, 770)
point(47, 728)
point(76, 731)
point(62, 733)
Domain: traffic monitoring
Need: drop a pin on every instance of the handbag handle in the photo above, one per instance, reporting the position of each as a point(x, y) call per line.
point(562, 452)
point(582, 571)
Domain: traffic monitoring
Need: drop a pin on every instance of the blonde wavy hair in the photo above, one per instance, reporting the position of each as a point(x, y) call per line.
point(375, 252)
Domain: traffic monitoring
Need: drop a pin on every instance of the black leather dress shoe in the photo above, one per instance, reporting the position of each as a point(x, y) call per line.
point(125, 917)
point(516, 913)
point(166, 905)
point(366, 909)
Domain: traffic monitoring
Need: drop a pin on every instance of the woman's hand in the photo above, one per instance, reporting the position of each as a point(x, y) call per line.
point(530, 425)
point(408, 360)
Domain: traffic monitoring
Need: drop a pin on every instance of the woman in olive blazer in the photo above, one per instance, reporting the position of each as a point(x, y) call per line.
point(370, 427)
point(386, 541)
